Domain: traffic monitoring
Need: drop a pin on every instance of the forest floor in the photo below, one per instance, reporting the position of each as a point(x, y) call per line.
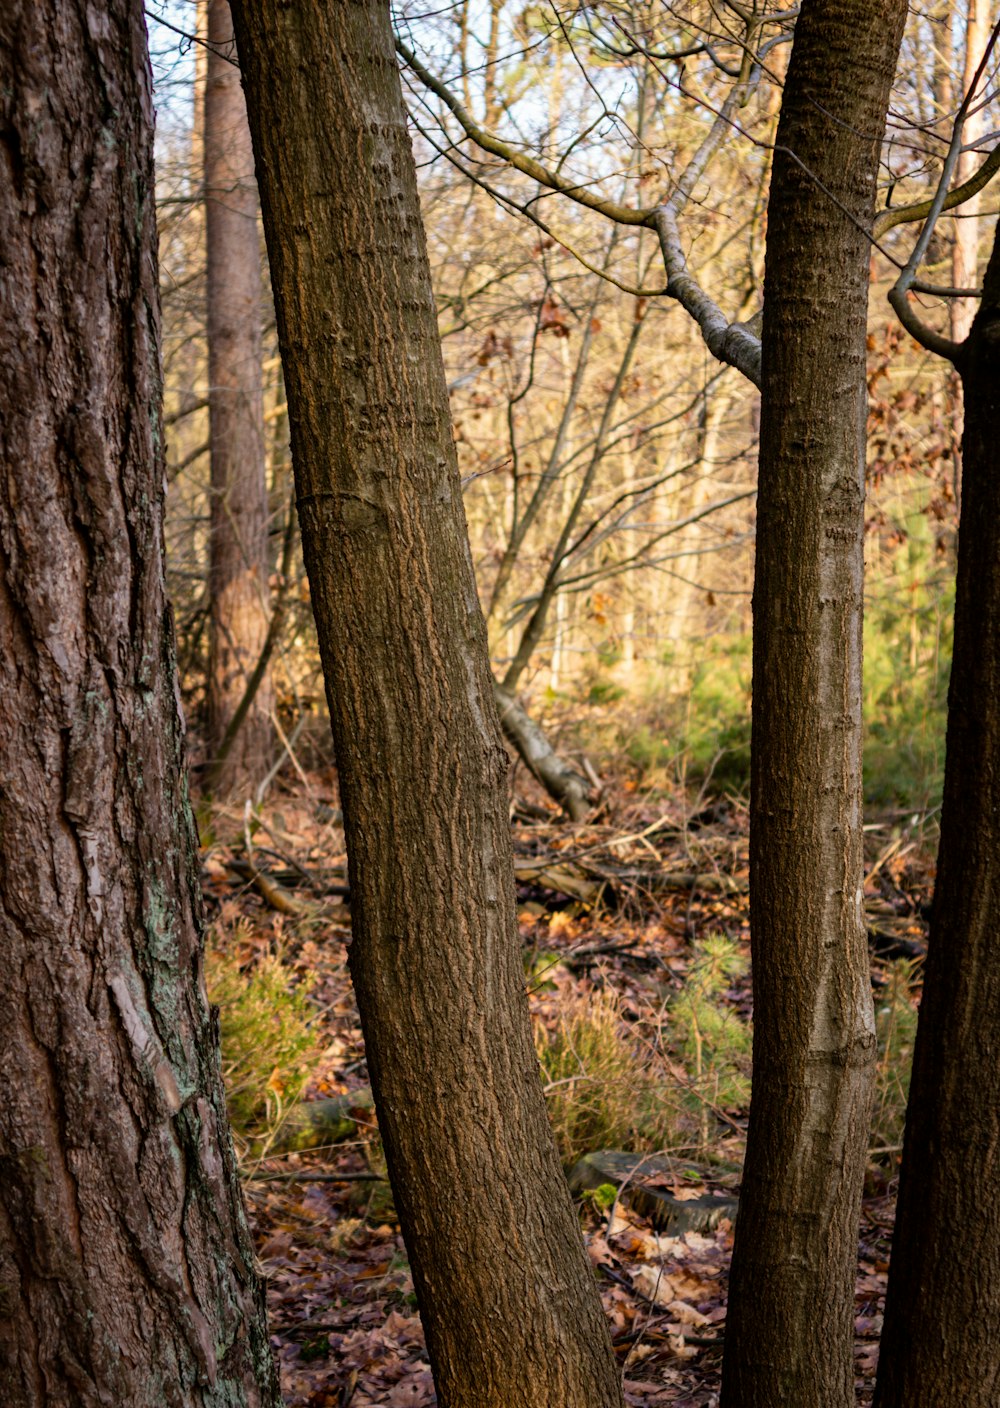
point(612, 915)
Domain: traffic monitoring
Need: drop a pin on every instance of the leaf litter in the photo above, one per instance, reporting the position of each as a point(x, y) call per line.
point(613, 907)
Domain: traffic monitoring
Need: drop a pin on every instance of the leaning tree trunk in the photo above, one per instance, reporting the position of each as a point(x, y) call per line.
point(508, 1300)
point(238, 556)
point(789, 1333)
point(941, 1341)
point(126, 1268)
point(563, 783)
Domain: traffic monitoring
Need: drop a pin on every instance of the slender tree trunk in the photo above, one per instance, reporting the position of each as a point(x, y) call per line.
point(508, 1300)
point(941, 1341)
point(523, 521)
point(965, 241)
point(491, 107)
point(573, 506)
point(789, 1334)
point(965, 250)
point(695, 494)
point(200, 56)
point(238, 559)
point(126, 1268)
point(939, 19)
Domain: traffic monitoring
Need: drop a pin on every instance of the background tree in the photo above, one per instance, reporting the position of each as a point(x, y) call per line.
point(506, 1294)
point(238, 540)
point(126, 1268)
point(975, 128)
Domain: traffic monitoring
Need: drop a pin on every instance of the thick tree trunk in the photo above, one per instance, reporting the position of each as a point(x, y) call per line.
point(941, 1341)
point(126, 1268)
point(507, 1297)
point(789, 1334)
point(238, 556)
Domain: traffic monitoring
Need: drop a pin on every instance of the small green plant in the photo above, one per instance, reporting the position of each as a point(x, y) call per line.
point(604, 691)
point(896, 1028)
point(541, 966)
point(269, 1046)
point(712, 1040)
point(604, 1089)
point(603, 1197)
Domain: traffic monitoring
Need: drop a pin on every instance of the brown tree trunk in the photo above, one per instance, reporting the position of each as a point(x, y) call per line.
point(126, 1268)
point(789, 1333)
point(941, 1341)
point(238, 558)
point(507, 1297)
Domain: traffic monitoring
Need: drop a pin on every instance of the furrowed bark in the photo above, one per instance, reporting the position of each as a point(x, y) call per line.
point(789, 1333)
point(941, 1341)
point(126, 1267)
point(508, 1301)
point(238, 554)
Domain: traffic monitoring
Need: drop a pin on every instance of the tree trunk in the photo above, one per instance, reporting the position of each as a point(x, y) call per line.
point(238, 557)
point(126, 1267)
point(789, 1334)
point(507, 1297)
point(941, 1341)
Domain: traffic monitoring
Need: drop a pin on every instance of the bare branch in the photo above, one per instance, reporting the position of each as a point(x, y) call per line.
point(887, 220)
point(621, 214)
point(733, 343)
point(899, 294)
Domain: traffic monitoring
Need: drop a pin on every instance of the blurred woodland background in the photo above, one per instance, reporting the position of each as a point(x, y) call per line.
point(609, 461)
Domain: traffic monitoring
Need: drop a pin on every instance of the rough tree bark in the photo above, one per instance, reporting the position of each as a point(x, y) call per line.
point(507, 1297)
point(941, 1341)
point(238, 555)
point(126, 1268)
point(789, 1333)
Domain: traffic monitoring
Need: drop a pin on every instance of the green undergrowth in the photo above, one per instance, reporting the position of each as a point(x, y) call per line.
point(604, 1089)
point(269, 1042)
point(611, 1085)
point(679, 723)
